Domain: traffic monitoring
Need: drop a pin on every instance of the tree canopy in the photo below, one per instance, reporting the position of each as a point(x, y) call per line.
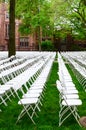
point(70, 16)
point(33, 14)
point(58, 17)
point(53, 16)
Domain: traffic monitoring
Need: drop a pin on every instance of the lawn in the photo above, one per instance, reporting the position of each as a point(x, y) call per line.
point(49, 116)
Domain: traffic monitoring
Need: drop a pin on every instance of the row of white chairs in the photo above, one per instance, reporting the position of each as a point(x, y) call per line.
point(8, 87)
point(16, 60)
point(19, 58)
point(11, 64)
point(34, 96)
point(32, 99)
point(11, 73)
point(80, 73)
point(68, 94)
point(7, 60)
point(78, 68)
point(17, 81)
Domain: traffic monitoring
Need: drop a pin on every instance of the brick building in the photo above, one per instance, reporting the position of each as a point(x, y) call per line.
point(22, 42)
point(30, 42)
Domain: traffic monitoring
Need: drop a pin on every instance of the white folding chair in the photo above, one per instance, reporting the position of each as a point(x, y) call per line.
point(68, 105)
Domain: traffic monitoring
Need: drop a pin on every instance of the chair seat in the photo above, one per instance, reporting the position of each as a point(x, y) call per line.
point(70, 91)
point(33, 95)
point(2, 92)
point(4, 87)
point(72, 102)
point(69, 88)
point(72, 96)
point(27, 101)
point(34, 91)
point(69, 84)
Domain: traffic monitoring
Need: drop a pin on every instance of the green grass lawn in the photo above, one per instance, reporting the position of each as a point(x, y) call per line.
point(49, 116)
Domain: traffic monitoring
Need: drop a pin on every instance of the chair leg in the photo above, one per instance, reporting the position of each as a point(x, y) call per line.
point(23, 112)
point(7, 96)
point(3, 101)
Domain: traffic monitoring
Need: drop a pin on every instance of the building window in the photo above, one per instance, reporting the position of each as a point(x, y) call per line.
point(24, 42)
point(7, 30)
point(7, 15)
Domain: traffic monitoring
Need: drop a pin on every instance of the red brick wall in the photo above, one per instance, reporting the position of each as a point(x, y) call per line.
point(2, 21)
point(4, 39)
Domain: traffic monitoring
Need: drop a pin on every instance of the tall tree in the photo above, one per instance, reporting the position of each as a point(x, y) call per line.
point(69, 16)
point(35, 16)
point(11, 44)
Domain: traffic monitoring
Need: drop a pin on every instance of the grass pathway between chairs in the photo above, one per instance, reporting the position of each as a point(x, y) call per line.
point(48, 117)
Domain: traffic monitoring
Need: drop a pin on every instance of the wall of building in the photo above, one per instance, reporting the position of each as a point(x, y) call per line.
point(22, 42)
point(2, 21)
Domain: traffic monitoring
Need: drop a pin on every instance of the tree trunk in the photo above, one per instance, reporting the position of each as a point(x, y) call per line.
point(11, 44)
point(39, 37)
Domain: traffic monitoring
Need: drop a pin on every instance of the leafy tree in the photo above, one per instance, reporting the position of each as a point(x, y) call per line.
point(35, 17)
point(70, 16)
point(50, 17)
point(78, 18)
